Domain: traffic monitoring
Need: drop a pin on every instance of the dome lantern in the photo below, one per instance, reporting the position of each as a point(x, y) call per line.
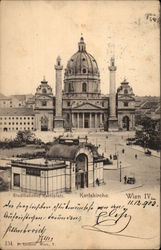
point(81, 45)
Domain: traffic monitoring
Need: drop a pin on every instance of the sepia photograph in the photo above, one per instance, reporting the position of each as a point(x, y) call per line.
point(79, 124)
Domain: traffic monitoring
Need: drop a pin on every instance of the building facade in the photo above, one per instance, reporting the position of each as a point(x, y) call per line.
point(78, 103)
point(68, 166)
point(125, 106)
point(15, 119)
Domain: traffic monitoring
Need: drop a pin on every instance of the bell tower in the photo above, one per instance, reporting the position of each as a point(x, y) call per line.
point(113, 122)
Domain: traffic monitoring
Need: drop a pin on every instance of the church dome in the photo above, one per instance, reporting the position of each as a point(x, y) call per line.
point(82, 63)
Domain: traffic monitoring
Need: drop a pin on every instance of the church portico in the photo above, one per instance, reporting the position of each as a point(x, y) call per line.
point(87, 120)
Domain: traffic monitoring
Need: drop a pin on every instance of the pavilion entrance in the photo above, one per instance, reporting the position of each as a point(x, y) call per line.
point(81, 175)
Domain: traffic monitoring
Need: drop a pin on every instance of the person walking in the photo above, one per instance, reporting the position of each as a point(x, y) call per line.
point(97, 182)
point(125, 179)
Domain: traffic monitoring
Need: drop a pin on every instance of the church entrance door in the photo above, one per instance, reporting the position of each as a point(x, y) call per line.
point(126, 122)
point(44, 123)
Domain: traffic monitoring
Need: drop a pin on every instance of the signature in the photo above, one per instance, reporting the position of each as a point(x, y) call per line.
point(42, 240)
point(112, 222)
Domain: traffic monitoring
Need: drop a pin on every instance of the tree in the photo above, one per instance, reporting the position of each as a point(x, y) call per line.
point(25, 136)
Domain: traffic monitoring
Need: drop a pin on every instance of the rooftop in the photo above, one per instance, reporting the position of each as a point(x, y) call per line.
point(39, 163)
point(16, 112)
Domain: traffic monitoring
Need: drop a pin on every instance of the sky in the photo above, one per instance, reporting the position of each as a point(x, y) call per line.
point(34, 33)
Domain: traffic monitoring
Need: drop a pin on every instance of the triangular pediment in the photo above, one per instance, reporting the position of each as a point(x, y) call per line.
point(87, 106)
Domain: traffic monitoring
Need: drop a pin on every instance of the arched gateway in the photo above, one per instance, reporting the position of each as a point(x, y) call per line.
point(81, 171)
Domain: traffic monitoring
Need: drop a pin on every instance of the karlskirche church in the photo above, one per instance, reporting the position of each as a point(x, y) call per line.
point(78, 104)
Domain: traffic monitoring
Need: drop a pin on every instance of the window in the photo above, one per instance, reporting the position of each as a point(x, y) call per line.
point(16, 123)
point(5, 118)
point(9, 123)
point(24, 123)
point(28, 123)
point(68, 104)
point(20, 118)
point(43, 103)
point(70, 87)
point(16, 128)
point(16, 118)
point(32, 118)
point(19, 104)
point(68, 116)
point(16, 180)
point(44, 91)
point(28, 118)
point(9, 118)
point(12, 118)
point(125, 104)
point(20, 123)
point(84, 71)
point(24, 118)
point(13, 123)
point(84, 87)
point(102, 104)
point(125, 91)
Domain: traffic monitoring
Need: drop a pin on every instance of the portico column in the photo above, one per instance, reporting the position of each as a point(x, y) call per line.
point(83, 120)
point(95, 120)
point(77, 120)
point(101, 118)
point(72, 120)
point(90, 120)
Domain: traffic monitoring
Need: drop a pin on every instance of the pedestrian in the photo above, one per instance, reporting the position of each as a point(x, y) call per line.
point(125, 179)
point(97, 182)
point(136, 156)
point(110, 157)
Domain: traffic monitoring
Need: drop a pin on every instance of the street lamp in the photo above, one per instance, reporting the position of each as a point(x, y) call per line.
point(120, 171)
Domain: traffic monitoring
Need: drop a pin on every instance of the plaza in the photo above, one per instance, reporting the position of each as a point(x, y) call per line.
point(145, 169)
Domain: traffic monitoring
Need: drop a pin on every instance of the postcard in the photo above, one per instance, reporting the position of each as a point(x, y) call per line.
point(80, 125)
